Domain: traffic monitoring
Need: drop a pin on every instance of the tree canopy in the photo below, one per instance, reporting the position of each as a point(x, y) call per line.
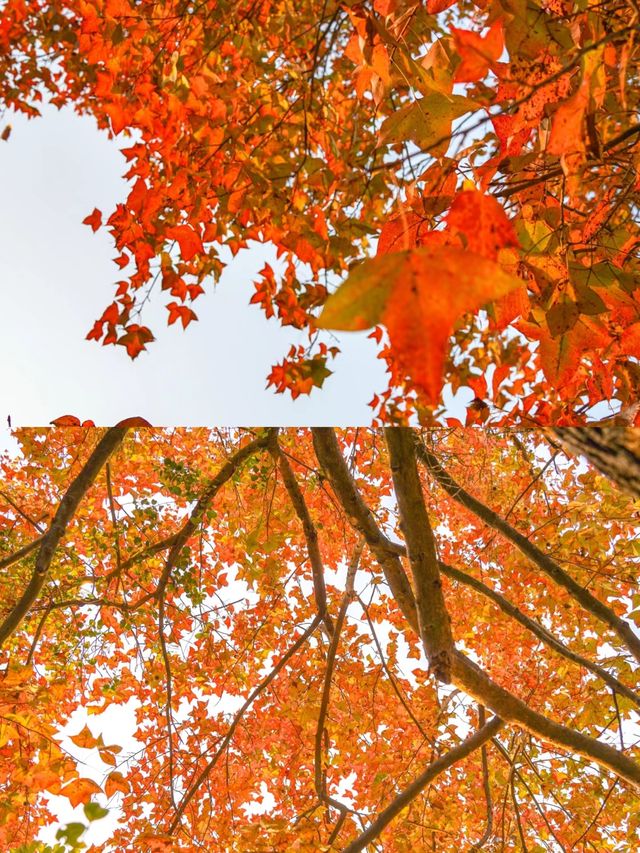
point(359, 640)
point(487, 150)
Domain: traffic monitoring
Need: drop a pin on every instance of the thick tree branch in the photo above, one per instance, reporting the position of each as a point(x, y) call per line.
point(18, 555)
point(109, 442)
point(613, 450)
point(474, 681)
point(467, 675)
point(539, 631)
point(585, 598)
point(476, 740)
point(361, 518)
point(433, 618)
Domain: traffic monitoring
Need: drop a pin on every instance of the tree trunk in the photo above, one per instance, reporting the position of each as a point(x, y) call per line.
point(613, 450)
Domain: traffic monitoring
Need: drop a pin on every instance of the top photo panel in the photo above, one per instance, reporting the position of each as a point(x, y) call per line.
point(319, 212)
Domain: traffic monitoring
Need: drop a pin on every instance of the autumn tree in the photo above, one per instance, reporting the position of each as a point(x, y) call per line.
point(487, 151)
point(360, 640)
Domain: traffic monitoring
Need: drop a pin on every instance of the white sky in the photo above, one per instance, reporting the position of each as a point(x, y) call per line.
point(56, 277)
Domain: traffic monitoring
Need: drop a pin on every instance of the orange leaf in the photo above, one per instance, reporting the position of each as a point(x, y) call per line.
point(135, 339)
point(115, 783)
point(483, 222)
point(80, 791)
point(478, 53)
point(432, 291)
point(85, 738)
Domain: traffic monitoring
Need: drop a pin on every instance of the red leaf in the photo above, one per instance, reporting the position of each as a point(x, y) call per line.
point(189, 242)
point(482, 220)
point(478, 53)
point(135, 339)
point(94, 219)
point(431, 293)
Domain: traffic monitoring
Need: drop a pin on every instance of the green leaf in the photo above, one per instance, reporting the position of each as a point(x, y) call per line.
point(94, 811)
point(562, 317)
point(427, 122)
point(588, 301)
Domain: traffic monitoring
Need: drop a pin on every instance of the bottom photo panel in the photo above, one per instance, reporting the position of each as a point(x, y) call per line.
point(263, 639)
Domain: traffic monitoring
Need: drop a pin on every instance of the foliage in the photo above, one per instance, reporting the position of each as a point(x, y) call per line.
point(505, 128)
point(417, 640)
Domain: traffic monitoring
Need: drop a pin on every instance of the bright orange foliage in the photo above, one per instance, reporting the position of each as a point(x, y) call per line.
point(415, 640)
point(313, 125)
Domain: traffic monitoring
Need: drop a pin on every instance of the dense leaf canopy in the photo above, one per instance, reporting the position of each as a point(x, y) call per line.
point(411, 640)
point(491, 141)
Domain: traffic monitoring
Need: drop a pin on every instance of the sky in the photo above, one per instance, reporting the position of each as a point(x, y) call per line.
point(57, 277)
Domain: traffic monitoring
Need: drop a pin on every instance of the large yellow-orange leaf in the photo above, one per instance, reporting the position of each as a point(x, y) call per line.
point(80, 791)
point(419, 295)
point(436, 288)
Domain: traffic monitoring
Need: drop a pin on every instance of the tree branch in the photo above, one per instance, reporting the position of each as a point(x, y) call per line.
point(476, 740)
point(206, 771)
point(585, 598)
point(361, 518)
point(310, 533)
point(474, 681)
point(109, 442)
point(540, 632)
point(433, 618)
point(320, 780)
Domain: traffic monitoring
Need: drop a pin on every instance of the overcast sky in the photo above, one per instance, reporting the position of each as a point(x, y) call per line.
point(57, 275)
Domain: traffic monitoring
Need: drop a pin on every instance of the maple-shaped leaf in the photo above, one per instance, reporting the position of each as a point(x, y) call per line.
point(94, 219)
point(427, 121)
point(419, 295)
point(85, 738)
point(80, 791)
point(478, 53)
point(404, 231)
point(483, 222)
point(180, 312)
point(135, 339)
point(189, 242)
point(115, 783)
